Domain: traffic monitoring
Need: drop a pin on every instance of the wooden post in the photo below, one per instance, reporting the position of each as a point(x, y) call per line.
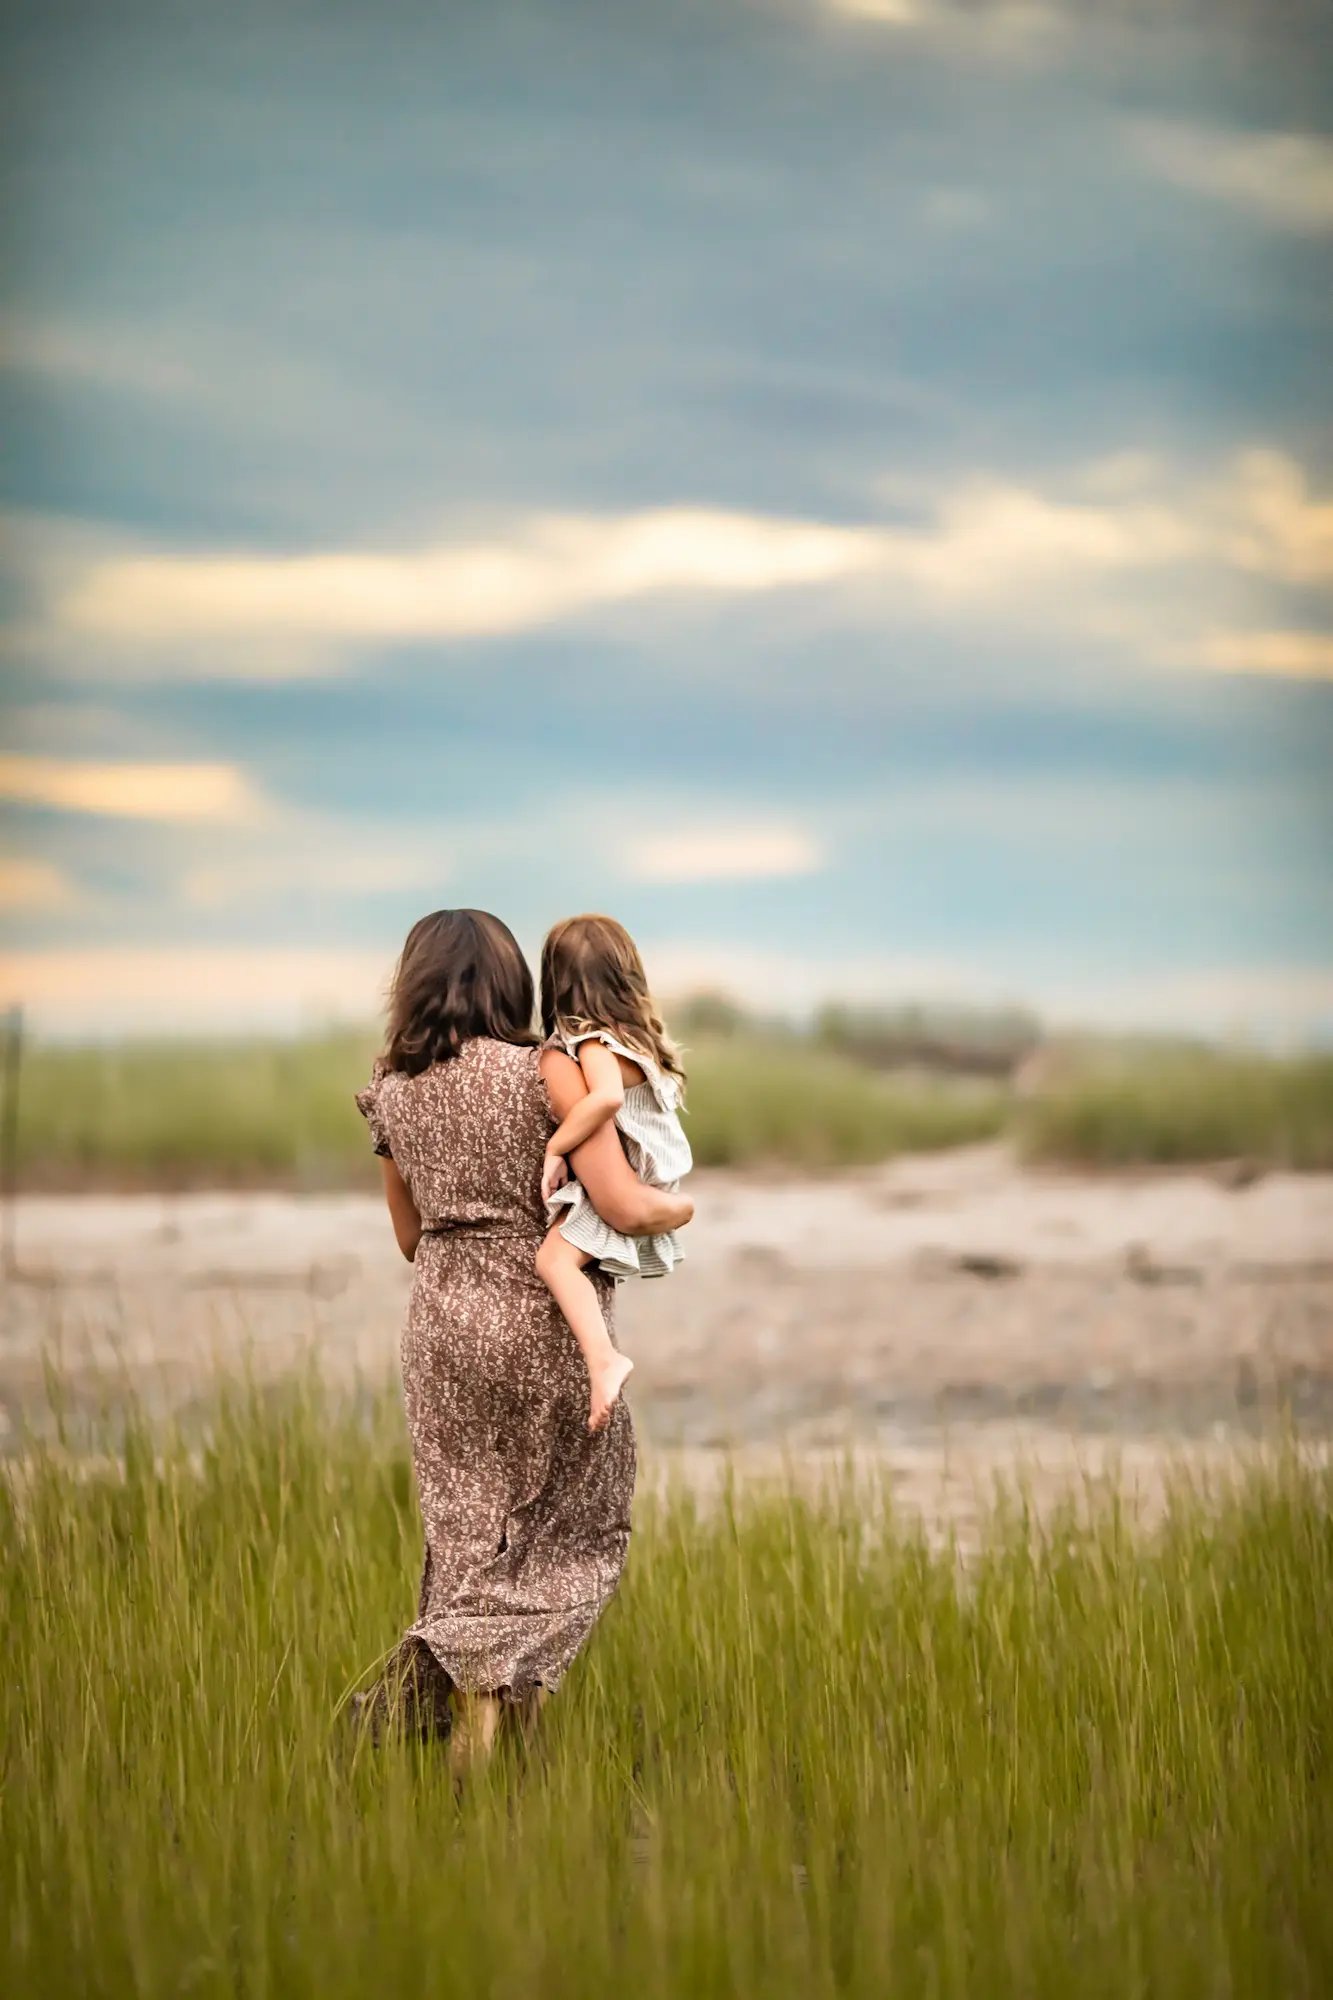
point(9, 1141)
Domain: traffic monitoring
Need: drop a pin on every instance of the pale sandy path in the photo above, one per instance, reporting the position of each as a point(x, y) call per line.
point(955, 1299)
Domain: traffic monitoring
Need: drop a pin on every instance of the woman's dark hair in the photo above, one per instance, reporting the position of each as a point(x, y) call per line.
point(461, 974)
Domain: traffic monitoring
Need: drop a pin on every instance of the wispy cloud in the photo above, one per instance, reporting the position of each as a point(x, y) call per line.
point(178, 792)
point(725, 854)
point(1285, 655)
point(999, 27)
point(166, 989)
point(28, 884)
point(1284, 179)
point(540, 571)
point(991, 538)
point(981, 545)
point(304, 854)
point(174, 990)
point(891, 13)
point(1256, 513)
point(1269, 521)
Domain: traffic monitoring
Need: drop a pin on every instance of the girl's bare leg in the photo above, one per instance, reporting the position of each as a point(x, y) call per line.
point(472, 1738)
point(562, 1268)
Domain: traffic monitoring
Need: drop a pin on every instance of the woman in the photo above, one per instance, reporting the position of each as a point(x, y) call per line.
point(526, 1514)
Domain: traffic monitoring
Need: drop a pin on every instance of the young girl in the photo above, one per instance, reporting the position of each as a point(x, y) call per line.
point(596, 1007)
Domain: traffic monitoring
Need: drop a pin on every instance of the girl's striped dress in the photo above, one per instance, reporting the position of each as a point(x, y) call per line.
point(657, 1149)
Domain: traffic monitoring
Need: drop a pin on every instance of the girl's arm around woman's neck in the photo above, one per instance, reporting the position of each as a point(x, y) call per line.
point(605, 1094)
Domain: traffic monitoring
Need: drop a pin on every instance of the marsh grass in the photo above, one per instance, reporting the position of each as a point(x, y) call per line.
point(167, 1113)
point(803, 1754)
point(756, 1101)
point(280, 1112)
point(218, 1113)
point(1171, 1107)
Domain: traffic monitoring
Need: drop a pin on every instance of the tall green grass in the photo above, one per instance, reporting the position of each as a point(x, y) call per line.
point(783, 1100)
point(1175, 1106)
point(801, 1755)
point(279, 1112)
point(179, 1113)
point(171, 1112)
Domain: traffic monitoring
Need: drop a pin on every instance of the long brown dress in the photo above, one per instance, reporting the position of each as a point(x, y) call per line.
point(526, 1513)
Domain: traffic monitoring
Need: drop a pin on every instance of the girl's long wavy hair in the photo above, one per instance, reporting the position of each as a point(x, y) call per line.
point(461, 974)
point(592, 977)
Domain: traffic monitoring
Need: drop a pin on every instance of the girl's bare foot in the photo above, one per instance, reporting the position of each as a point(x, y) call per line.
point(608, 1379)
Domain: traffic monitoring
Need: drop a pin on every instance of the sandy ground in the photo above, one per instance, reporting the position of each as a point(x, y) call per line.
point(954, 1317)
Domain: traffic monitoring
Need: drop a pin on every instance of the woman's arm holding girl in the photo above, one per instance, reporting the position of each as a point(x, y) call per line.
point(612, 1186)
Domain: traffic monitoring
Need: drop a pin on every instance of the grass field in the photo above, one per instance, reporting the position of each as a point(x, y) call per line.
point(281, 1112)
point(1171, 1107)
point(178, 1113)
point(802, 1754)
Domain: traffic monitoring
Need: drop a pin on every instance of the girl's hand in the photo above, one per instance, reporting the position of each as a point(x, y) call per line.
point(555, 1172)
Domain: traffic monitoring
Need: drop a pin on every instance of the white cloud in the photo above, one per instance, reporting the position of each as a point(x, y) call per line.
point(542, 570)
point(725, 854)
point(175, 792)
point(991, 539)
point(165, 989)
point(1269, 522)
point(27, 883)
point(1004, 28)
point(1284, 655)
point(1129, 551)
point(1052, 557)
point(1256, 514)
point(1283, 178)
point(170, 990)
point(303, 854)
point(891, 13)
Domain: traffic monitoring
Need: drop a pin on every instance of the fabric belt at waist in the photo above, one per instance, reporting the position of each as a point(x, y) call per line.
point(502, 1231)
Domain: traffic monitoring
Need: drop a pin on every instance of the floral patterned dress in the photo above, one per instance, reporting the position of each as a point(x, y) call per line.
point(526, 1513)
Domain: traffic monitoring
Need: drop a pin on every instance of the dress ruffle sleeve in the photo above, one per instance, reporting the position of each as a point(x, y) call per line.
point(368, 1104)
point(663, 1087)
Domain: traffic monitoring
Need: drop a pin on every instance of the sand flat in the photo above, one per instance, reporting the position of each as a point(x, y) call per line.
point(888, 1307)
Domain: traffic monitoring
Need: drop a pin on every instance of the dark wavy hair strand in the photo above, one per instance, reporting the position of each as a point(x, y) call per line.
point(461, 974)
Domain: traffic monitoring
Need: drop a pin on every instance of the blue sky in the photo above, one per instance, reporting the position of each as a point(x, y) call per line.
point(847, 487)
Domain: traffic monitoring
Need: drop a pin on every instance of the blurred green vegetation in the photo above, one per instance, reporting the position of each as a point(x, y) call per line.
point(1170, 1106)
point(181, 1113)
point(276, 1112)
point(176, 1113)
point(800, 1755)
point(789, 1101)
point(976, 1041)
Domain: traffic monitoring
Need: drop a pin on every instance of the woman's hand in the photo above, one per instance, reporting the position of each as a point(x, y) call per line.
point(555, 1172)
point(612, 1186)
